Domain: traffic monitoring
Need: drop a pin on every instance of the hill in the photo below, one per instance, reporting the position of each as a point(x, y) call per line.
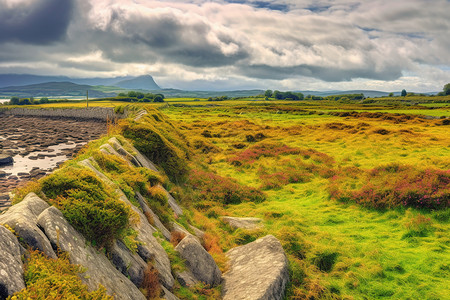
point(52, 89)
point(145, 82)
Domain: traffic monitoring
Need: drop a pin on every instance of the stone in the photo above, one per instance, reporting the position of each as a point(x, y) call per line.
point(11, 267)
point(199, 262)
point(22, 217)
point(155, 219)
point(197, 232)
point(129, 264)
point(172, 203)
point(99, 270)
point(243, 223)
point(6, 159)
point(258, 270)
point(142, 159)
point(168, 295)
point(186, 278)
point(114, 142)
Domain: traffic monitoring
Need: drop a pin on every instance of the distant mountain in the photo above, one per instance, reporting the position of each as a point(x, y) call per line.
point(145, 82)
point(52, 89)
point(7, 80)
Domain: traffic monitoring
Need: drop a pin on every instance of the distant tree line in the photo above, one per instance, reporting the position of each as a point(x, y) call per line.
point(220, 98)
point(133, 96)
point(283, 95)
point(31, 101)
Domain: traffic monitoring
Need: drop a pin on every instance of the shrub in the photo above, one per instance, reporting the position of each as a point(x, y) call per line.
point(88, 204)
point(394, 185)
point(150, 284)
point(148, 140)
point(48, 278)
point(253, 153)
point(419, 226)
point(220, 189)
point(325, 260)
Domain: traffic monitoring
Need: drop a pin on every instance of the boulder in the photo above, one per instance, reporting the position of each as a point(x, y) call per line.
point(243, 223)
point(258, 270)
point(22, 217)
point(6, 159)
point(199, 262)
point(11, 267)
point(155, 219)
point(197, 232)
point(131, 265)
point(186, 278)
point(114, 142)
point(168, 295)
point(99, 269)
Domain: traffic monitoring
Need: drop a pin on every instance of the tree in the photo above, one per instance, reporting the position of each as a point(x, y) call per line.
point(44, 100)
point(447, 89)
point(158, 98)
point(268, 93)
point(14, 101)
point(391, 94)
point(404, 93)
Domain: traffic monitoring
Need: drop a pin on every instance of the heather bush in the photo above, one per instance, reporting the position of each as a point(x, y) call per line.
point(210, 186)
point(395, 185)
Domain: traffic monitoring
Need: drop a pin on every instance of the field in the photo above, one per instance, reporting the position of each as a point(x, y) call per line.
point(358, 194)
point(315, 164)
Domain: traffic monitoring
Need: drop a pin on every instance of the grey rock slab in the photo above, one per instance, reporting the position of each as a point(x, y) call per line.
point(22, 217)
point(197, 232)
point(186, 278)
point(178, 228)
point(149, 249)
point(89, 163)
point(99, 269)
point(243, 223)
point(129, 264)
point(258, 271)
point(114, 142)
point(149, 212)
point(168, 295)
point(172, 203)
point(199, 262)
point(142, 159)
point(11, 267)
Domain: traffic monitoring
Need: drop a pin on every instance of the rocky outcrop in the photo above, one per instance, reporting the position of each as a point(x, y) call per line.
point(22, 217)
point(243, 223)
point(129, 264)
point(99, 268)
point(199, 262)
point(173, 203)
point(258, 270)
point(154, 218)
point(11, 268)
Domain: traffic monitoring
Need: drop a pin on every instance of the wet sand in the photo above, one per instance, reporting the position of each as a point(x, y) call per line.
point(39, 145)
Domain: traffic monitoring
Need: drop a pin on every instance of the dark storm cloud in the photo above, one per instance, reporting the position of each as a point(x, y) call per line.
point(39, 22)
point(329, 74)
point(188, 42)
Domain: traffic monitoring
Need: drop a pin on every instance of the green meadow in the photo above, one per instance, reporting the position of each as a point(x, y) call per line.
point(343, 241)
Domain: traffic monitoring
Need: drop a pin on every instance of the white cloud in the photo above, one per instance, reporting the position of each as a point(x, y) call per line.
point(330, 44)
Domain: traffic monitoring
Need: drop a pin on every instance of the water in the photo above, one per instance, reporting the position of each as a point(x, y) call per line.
point(47, 160)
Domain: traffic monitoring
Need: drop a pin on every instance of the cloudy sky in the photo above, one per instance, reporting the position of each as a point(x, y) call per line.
point(279, 44)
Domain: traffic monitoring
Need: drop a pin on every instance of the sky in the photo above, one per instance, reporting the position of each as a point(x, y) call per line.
point(386, 45)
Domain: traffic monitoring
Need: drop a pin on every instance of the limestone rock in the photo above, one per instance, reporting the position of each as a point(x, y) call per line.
point(197, 232)
point(168, 295)
point(199, 262)
point(11, 268)
point(131, 265)
point(89, 164)
point(186, 278)
point(99, 268)
point(173, 203)
point(114, 142)
point(258, 270)
point(243, 223)
point(148, 212)
point(22, 217)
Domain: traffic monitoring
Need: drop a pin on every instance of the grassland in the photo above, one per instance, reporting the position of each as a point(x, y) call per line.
point(338, 249)
point(357, 194)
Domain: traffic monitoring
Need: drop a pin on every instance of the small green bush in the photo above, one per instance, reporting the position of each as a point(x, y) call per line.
point(48, 278)
point(325, 260)
point(87, 204)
